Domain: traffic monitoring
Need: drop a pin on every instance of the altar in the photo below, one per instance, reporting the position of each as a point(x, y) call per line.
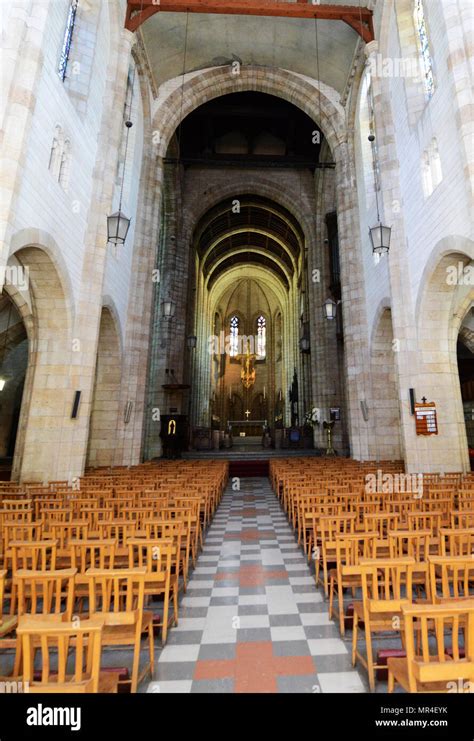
point(246, 427)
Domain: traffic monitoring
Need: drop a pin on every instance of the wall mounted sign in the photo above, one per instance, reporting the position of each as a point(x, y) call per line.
point(426, 419)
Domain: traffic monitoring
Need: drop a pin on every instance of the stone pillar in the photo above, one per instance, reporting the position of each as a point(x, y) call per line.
point(423, 364)
point(403, 315)
point(168, 335)
point(140, 316)
point(45, 456)
point(325, 364)
point(356, 340)
point(459, 19)
point(22, 62)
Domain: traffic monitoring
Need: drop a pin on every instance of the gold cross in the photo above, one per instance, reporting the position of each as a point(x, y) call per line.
point(247, 414)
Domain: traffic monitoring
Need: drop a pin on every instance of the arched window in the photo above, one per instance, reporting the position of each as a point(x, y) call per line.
point(261, 336)
point(234, 336)
point(67, 39)
point(424, 48)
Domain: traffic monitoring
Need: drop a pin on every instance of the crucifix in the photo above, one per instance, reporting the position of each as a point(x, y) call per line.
point(247, 414)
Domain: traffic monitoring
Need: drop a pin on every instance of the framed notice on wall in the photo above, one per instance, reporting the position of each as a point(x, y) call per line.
point(426, 419)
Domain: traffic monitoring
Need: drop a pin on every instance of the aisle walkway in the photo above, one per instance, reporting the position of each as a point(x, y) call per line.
point(252, 620)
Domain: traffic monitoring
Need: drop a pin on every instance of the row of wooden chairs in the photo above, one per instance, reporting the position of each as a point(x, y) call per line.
point(82, 563)
point(405, 557)
point(118, 596)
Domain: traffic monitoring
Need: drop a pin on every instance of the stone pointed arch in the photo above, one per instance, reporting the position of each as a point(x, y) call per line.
point(180, 96)
point(46, 431)
point(175, 100)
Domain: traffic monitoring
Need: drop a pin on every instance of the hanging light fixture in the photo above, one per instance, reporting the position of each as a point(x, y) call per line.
point(380, 238)
point(330, 309)
point(168, 308)
point(379, 234)
point(118, 224)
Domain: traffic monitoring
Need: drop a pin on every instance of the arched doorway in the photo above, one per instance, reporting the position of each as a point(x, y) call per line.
point(13, 367)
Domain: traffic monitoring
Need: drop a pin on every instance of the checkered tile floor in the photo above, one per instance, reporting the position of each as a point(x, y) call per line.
point(252, 619)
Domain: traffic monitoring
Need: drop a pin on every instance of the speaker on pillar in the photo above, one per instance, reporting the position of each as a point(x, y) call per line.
point(75, 405)
point(365, 410)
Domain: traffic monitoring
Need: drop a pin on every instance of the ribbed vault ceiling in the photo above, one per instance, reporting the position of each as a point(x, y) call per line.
point(249, 230)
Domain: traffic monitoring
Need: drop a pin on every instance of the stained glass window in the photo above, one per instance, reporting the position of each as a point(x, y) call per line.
point(234, 336)
point(67, 39)
point(424, 46)
point(261, 336)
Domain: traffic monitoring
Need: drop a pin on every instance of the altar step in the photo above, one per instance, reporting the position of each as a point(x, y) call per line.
point(248, 454)
point(248, 468)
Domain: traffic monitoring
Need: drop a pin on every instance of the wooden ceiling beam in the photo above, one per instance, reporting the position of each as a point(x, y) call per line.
point(358, 18)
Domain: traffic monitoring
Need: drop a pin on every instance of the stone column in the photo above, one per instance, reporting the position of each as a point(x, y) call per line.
point(168, 336)
point(459, 19)
point(22, 61)
point(46, 457)
point(356, 340)
point(325, 363)
point(420, 365)
point(403, 315)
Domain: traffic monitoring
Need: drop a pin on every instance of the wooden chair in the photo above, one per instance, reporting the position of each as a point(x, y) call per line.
point(177, 532)
point(45, 592)
point(386, 586)
point(159, 558)
point(425, 521)
point(190, 516)
point(49, 594)
point(433, 669)
point(8, 623)
point(415, 544)
point(25, 531)
point(457, 541)
point(66, 531)
point(349, 550)
point(462, 518)
point(381, 523)
point(68, 641)
point(40, 555)
point(119, 596)
point(451, 577)
point(90, 553)
point(328, 528)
